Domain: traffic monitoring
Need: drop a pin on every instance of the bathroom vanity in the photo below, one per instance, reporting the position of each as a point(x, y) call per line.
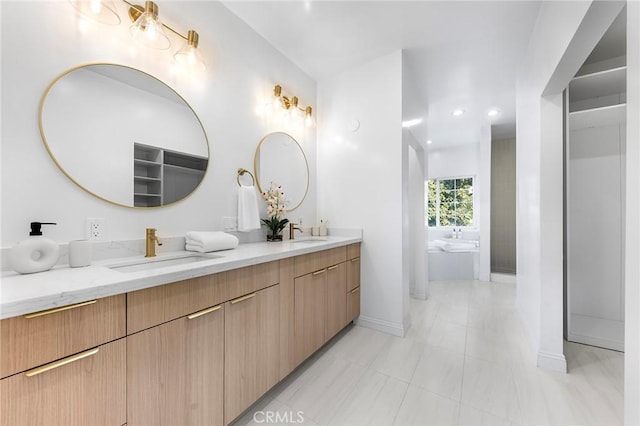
point(193, 343)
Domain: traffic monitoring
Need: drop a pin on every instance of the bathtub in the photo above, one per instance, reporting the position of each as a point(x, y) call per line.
point(453, 259)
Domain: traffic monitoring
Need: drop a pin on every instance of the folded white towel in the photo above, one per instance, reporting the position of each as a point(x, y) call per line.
point(248, 216)
point(204, 242)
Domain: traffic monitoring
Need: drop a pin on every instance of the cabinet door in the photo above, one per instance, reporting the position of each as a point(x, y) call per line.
point(336, 299)
point(310, 313)
point(175, 371)
point(252, 349)
point(353, 304)
point(353, 273)
point(88, 388)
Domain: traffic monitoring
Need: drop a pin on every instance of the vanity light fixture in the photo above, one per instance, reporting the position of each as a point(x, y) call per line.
point(147, 29)
point(289, 106)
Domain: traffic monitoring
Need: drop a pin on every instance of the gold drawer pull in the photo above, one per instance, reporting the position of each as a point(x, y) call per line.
point(319, 272)
point(60, 309)
point(60, 363)
point(331, 268)
point(243, 298)
point(355, 289)
point(355, 260)
point(204, 312)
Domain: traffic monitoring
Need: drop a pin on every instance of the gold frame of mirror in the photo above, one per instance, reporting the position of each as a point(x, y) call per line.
point(306, 163)
point(49, 151)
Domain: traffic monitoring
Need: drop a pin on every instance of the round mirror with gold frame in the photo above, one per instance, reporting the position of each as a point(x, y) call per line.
point(123, 135)
point(280, 159)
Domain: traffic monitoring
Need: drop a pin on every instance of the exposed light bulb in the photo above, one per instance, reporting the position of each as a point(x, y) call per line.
point(308, 118)
point(429, 142)
point(148, 29)
point(96, 6)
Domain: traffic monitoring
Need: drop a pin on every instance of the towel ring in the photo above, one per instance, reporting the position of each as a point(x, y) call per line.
point(241, 172)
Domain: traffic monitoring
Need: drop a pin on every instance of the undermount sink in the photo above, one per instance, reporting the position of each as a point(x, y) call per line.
point(156, 263)
point(308, 240)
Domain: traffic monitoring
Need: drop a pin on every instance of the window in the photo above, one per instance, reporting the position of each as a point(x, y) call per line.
point(450, 202)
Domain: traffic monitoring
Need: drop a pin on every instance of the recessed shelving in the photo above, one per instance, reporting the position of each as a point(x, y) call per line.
point(164, 176)
point(598, 117)
point(602, 83)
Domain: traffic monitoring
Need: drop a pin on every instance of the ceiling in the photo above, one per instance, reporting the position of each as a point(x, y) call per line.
point(459, 54)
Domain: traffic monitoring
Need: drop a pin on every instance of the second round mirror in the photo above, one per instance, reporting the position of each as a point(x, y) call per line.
point(279, 158)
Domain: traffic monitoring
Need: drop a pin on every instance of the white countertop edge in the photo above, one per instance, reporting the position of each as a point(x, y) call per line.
point(62, 285)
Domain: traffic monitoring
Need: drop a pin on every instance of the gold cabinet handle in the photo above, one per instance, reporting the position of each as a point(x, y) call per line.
point(243, 298)
point(331, 268)
point(355, 290)
point(355, 260)
point(60, 309)
point(319, 272)
point(204, 312)
point(61, 362)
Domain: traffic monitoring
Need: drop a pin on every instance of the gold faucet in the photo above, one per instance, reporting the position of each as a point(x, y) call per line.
point(292, 228)
point(152, 239)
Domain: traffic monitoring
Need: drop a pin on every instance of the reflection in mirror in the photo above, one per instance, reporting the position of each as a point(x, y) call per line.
point(123, 135)
point(279, 158)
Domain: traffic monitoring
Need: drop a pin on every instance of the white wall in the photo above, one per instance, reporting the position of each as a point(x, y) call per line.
point(632, 234)
point(242, 70)
point(564, 35)
point(360, 179)
point(455, 161)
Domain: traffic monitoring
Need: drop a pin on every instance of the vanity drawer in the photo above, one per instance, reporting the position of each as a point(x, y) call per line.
point(353, 251)
point(252, 278)
point(87, 388)
point(156, 305)
point(34, 339)
point(312, 262)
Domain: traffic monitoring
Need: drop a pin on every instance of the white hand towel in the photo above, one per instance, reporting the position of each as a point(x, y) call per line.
point(210, 241)
point(248, 216)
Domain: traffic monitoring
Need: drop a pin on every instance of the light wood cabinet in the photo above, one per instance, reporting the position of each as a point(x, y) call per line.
point(353, 273)
point(252, 349)
point(310, 313)
point(41, 337)
point(88, 388)
point(336, 299)
point(353, 304)
point(155, 305)
point(175, 371)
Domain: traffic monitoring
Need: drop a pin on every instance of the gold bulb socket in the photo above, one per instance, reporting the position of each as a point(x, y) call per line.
point(308, 111)
point(277, 91)
point(152, 8)
point(294, 102)
point(192, 38)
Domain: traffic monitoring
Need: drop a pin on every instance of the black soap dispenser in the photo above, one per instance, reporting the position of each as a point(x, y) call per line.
point(35, 253)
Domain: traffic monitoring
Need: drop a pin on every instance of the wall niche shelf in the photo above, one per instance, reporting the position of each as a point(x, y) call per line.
point(163, 176)
point(597, 84)
point(598, 117)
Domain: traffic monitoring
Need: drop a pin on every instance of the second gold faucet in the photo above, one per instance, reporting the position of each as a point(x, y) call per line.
point(151, 241)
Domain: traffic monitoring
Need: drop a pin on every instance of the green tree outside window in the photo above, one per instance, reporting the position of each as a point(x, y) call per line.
point(450, 202)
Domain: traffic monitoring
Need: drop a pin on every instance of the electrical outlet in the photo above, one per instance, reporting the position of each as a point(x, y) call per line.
point(230, 223)
point(95, 228)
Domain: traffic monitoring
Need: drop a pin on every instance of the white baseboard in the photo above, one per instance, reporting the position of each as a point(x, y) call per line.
point(552, 361)
point(396, 329)
point(503, 278)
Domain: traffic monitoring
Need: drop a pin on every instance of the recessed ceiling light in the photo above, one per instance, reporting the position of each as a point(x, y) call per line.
point(429, 142)
point(493, 112)
point(412, 122)
point(457, 112)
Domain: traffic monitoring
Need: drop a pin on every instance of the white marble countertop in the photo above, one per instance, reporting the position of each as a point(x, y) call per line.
point(62, 285)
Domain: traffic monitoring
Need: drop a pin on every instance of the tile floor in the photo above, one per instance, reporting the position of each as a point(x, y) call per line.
point(465, 361)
